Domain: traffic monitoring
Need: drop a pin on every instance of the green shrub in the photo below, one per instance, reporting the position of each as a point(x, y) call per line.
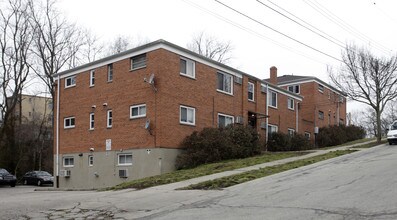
point(336, 135)
point(284, 142)
point(216, 144)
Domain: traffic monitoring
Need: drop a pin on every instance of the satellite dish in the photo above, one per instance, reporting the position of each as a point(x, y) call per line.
point(151, 79)
point(147, 124)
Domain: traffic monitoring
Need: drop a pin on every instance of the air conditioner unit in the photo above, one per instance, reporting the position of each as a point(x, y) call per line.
point(263, 125)
point(341, 99)
point(238, 80)
point(123, 173)
point(263, 89)
point(65, 173)
point(239, 120)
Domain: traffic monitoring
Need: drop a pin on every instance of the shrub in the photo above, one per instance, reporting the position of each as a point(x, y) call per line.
point(336, 135)
point(216, 144)
point(284, 142)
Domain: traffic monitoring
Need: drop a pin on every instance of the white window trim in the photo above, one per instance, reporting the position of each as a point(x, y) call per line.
point(107, 119)
point(194, 68)
point(92, 120)
point(270, 98)
point(89, 160)
point(110, 80)
point(224, 115)
point(322, 86)
point(291, 129)
point(275, 126)
point(231, 83)
point(72, 84)
point(68, 157)
point(319, 115)
point(139, 115)
point(293, 104)
point(180, 115)
point(308, 134)
point(293, 88)
point(140, 67)
point(71, 126)
point(253, 91)
point(124, 164)
point(92, 78)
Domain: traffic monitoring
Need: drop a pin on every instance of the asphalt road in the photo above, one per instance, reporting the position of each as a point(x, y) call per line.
point(362, 185)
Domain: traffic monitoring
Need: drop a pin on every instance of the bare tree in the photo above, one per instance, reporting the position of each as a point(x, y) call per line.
point(367, 79)
point(15, 44)
point(211, 47)
point(122, 43)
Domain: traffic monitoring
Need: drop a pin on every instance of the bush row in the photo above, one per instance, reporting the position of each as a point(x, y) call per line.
point(336, 135)
point(216, 144)
point(284, 142)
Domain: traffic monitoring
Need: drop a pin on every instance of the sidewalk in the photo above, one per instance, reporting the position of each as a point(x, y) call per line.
point(316, 152)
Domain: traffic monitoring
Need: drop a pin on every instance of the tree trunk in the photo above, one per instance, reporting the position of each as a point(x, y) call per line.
point(378, 126)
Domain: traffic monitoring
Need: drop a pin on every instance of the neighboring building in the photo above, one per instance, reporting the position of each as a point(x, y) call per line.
point(123, 117)
point(32, 108)
point(322, 105)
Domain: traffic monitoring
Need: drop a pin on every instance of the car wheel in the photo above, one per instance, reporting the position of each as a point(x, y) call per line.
point(39, 183)
point(390, 143)
point(25, 182)
point(12, 184)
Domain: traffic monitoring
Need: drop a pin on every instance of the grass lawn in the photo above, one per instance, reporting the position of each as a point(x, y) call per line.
point(372, 144)
point(203, 170)
point(350, 143)
point(255, 174)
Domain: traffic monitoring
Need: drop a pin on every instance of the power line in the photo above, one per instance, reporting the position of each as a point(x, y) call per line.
point(285, 35)
point(344, 25)
point(248, 30)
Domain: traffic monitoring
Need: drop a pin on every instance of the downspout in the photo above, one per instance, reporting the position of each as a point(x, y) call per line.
point(297, 117)
point(337, 111)
point(57, 135)
point(267, 112)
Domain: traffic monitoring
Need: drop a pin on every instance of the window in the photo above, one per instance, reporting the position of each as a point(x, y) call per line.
point(187, 115)
point(125, 159)
point(272, 99)
point(321, 115)
point(187, 68)
point(90, 160)
point(271, 129)
point(294, 89)
point(69, 122)
point(320, 88)
point(92, 122)
point(138, 61)
point(138, 111)
point(70, 81)
point(92, 77)
point(329, 94)
point(225, 120)
point(225, 83)
point(68, 161)
point(109, 119)
point(110, 72)
point(291, 132)
point(251, 89)
point(291, 104)
point(307, 135)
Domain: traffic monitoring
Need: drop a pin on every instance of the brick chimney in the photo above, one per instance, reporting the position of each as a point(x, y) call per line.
point(273, 75)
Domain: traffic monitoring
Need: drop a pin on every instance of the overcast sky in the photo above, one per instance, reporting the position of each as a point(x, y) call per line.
point(372, 24)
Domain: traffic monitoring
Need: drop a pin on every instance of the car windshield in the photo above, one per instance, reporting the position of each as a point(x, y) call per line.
point(43, 173)
point(3, 171)
point(393, 126)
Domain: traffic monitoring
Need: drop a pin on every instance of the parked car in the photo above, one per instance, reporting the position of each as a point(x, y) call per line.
point(392, 133)
point(6, 178)
point(38, 178)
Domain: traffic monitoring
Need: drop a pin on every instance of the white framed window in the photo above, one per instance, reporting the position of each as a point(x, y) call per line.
point(307, 135)
point(138, 62)
point(92, 77)
point(109, 119)
point(70, 81)
point(272, 98)
point(291, 104)
point(110, 72)
point(68, 161)
point(69, 122)
point(294, 89)
point(271, 129)
point(124, 159)
point(291, 132)
point(251, 89)
point(138, 111)
point(187, 68)
point(187, 115)
point(90, 160)
point(92, 121)
point(320, 88)
point(321, 115)
point(225, 83)
point(224, 120)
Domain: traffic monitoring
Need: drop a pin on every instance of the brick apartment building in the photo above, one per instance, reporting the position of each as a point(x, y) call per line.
point(123, 117)
point(322, 104)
